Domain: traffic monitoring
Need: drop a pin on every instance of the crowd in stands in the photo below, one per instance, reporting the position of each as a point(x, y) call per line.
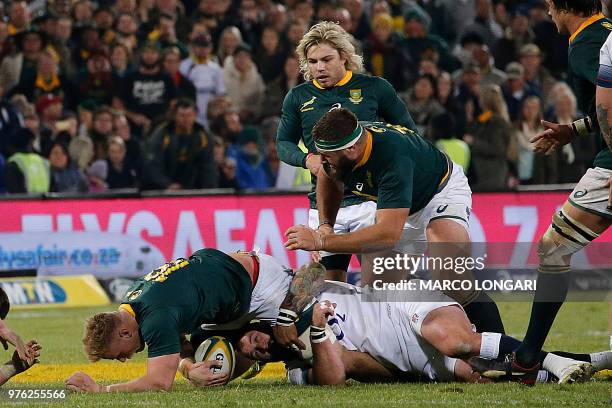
point(170, 94)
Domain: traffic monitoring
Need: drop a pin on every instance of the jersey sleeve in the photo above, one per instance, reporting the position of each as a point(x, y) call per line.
point(585, 61)
point(160, 331)
point(395, 186)
point(604, 76)
point(391, 108)
point(289, 133)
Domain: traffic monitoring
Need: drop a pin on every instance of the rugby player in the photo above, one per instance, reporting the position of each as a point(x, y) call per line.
point(25, 354)
point(587, 213)
point(333, 76)
point(392, 339)
point(210, 287)
point(421, 196)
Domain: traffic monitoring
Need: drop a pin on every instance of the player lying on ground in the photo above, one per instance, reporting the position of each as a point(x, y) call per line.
point(208, 288)
point(395, 340)
point(25, 355)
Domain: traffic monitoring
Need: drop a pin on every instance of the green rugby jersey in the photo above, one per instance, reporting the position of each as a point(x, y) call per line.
point(209, 287)
point(370, 98)
point(399, 169)
point(583, 66)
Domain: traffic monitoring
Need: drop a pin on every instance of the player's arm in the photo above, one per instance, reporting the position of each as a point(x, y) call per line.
point(603, 102)
point(327, 365)
point(16, 365)
point(289, 134)
point(159, 377)
point(391, 108)
point(329, 198)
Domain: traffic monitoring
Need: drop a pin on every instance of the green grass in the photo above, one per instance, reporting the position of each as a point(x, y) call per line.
point(579, 327)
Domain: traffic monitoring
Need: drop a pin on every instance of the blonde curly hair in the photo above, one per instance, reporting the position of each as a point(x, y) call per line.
point(332, 34)
point(98, 334)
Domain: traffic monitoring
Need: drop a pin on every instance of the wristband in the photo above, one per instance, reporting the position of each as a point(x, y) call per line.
point(318, 334)
point(7, 371)
point(582, 127)
point(325, 222)
point(286, 317)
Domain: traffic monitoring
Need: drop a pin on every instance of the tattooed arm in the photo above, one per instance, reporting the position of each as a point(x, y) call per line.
point(604, 113)
point(306, 284)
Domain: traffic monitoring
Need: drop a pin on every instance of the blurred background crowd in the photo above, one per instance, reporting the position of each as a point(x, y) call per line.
point(170, 94)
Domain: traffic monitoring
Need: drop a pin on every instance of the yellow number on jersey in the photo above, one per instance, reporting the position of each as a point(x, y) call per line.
point(161, 274)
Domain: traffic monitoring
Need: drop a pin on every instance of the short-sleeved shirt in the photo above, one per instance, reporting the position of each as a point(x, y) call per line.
point(583, 66)
point(148, 95)
point(180, 296)
point(399, 170)
point(370, 98)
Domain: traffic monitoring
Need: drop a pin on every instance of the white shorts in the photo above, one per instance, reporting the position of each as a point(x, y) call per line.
point(591, 193)
point(268, 294)
point(422, 357)
point(350, 218)
point(454, 202)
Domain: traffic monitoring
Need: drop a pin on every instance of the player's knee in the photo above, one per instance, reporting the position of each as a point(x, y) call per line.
point(564, 237)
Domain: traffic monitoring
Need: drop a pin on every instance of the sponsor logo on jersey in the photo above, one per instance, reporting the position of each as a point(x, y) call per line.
point(415, 318)
point(441, 209)
point(359, 186)
point(336, 105)
point(607, 24)
point(580, 193)
point(355, 96)
point(134, 295)
point(307, 106)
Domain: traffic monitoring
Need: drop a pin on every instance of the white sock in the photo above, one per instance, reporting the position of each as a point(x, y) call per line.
point(489, 345)
point(556, 364)
point(611, 342)
point(602, 360)
point(542, 376)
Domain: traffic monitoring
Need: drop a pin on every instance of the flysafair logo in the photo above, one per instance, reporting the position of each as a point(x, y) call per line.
point(34, 293)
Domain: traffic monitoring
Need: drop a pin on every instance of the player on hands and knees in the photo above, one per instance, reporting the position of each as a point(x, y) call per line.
point(208, 288)
point(332, 70)
point(422, 197)
point(587, 213)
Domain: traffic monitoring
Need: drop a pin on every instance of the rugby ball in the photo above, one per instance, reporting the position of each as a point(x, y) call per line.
point(217, 348)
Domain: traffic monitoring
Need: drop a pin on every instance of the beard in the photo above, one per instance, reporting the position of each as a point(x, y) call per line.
point(341, 170)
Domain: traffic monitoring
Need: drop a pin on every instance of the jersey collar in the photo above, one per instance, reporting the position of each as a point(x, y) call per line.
point(585, 24)
point(366, 153)
point(347, 77)
point(127, 308)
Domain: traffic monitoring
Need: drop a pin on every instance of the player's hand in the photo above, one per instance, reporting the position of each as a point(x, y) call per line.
point(553, 136)
point(313, 163)
point(21, 365)
point(10, 336)
point(303, 237)
point(287, 336)
point(202, 375)
point(81, 382)
point(321, 311)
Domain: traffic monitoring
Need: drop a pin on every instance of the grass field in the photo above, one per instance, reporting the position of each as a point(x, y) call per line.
point(579, 327)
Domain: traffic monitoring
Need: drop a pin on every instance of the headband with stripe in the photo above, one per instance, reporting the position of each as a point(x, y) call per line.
point(333, 146)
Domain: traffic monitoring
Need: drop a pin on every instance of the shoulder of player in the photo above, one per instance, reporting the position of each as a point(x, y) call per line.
point(594, 34)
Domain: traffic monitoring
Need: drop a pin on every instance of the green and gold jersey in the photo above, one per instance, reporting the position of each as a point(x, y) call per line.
point(583, 66)
point(370, 98)
point(178, 297)
point(399, 168)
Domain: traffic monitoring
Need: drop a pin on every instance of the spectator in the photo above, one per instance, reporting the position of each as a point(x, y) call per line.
point(506, 49)
point(101, 131)
point(230, 39)
point(489, 140)
point(97, 174)
point(484, 24)
point(6, 43)
point(489, 74)
point(277, 89)
point(121, 173)
point(147, 92)
point(82, 12)
point(217, 107)
point(421, 101)
point(226, 166)
point(360, 26)
point(303, 11)
point(458, 15)
point(249, 22)
point(21, 65)
point(18, 17)
point(127, 27)
point(547, 38)
point(445, 94)
point(465, 49)
point(516, 89)
point(538, 79)
point(252, 169)
point(120, 62)
point(49, 108)
point(122, 129)
point(88, 43)
point(179, 154)
point(165, 34)
point(103, 20)
point(65, 176)
point(383, 54)
point(418, 40)
point(25, 171)
point(528, 126)
point(58, 32)
point(11, 120)
point(96, 81)
point(244, 84)
point(205, 74)
point(270, 56)
point(441, 132)
point(277, 18)
point(2, 164)
point(467, 97)
point(171, 61)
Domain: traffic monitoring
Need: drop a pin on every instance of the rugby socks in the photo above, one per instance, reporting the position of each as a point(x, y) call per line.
point(601, 360)
point(489, 345)
point(484, 314)
point(549, 297)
